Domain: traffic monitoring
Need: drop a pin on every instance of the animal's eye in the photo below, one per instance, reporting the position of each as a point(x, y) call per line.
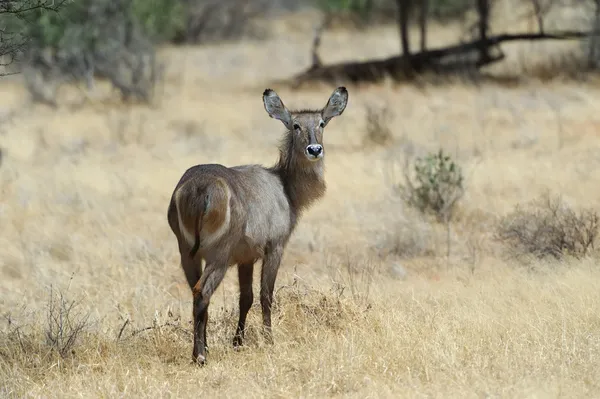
point(296, 126)
point(322, 124)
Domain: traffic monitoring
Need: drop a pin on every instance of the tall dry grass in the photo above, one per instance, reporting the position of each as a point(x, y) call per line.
point(501, 333)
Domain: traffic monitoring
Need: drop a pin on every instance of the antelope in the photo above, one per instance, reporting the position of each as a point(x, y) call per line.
point(238, 215)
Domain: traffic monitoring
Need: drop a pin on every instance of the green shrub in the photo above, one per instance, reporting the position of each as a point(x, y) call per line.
point(439, 9)
point(157, 19)
point(161, 20)
point(449, 9)
point(112, 39)
point(14, 16)
point(437, 185)
point(361, 7)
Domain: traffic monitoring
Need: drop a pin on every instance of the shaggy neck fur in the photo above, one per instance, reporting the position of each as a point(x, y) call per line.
point(303, 180)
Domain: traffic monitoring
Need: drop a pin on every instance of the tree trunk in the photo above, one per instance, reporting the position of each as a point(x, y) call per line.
point(423, 23)
point(593, 46)
point(537, 9)
point(403, 18)
point(483, 9)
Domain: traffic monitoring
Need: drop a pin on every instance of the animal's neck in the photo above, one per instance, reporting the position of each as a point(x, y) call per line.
point(303, 180)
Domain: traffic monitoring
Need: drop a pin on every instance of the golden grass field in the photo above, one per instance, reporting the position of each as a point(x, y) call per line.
point(84, 194)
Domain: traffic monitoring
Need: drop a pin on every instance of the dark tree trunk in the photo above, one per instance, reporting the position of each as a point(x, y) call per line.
point(404, 7)
point(423, 23)
point(593, 40)
point(483, 9)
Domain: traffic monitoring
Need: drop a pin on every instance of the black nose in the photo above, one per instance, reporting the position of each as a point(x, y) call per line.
point(314, 149)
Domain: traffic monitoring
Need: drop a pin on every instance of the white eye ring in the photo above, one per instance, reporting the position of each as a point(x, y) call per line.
point(322, 124)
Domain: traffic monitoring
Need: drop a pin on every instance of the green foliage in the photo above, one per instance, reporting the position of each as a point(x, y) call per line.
point(94, 38)
point(160, 19)
point(362, 8)
point(48, 28)
point(14, 17)
point(437, 187)
point(156, 19)
point(440, 9)
point(447, 9)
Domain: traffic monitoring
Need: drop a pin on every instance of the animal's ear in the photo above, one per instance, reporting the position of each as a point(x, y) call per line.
point(336, 104)
point(275, 108)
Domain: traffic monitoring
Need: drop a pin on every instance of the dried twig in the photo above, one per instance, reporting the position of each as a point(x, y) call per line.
point(122, 329)
point(176, 327)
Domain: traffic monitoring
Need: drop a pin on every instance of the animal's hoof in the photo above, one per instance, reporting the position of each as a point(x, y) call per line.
point(200, 360)
point(237, 342)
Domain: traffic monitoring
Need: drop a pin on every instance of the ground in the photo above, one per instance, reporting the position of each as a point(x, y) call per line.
point(369, 304)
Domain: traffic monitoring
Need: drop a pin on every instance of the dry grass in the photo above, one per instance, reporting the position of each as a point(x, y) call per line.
point(84, 198)
point(503, 334)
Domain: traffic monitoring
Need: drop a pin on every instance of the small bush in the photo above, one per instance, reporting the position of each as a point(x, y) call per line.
point(65, 323)
point(547, 227)
point(437, 187)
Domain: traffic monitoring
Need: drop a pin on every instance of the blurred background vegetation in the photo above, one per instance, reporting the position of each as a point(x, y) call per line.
point(55, 42)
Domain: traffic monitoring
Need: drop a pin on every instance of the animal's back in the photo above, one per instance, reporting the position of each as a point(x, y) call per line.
point(206, 172)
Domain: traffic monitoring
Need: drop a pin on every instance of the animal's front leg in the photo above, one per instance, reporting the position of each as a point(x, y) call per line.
point(271, 262)
point(246, 298)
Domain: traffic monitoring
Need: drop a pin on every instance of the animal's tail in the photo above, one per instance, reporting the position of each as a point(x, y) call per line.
point(198, 227)
point(203, 210)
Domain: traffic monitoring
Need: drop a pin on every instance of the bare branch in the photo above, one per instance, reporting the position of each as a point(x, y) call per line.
point(25, 6)
point(14, 40)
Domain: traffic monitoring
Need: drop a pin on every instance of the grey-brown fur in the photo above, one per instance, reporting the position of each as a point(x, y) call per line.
point(241, 214)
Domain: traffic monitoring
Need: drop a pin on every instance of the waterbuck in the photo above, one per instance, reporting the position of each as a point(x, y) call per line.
point(238, 215)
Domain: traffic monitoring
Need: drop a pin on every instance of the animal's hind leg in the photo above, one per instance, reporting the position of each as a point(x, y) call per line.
point(246, 298)
point(203, 290)
point(192, 267)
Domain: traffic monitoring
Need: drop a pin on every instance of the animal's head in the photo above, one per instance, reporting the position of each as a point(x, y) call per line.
point(306, 127)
